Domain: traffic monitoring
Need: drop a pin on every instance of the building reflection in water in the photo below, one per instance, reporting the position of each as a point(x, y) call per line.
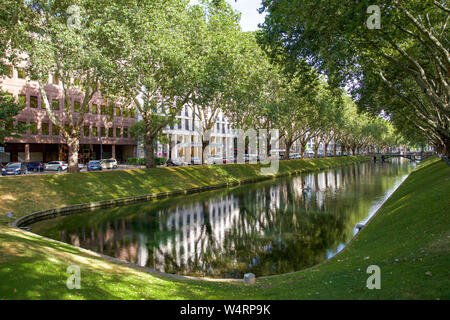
point(267, 228)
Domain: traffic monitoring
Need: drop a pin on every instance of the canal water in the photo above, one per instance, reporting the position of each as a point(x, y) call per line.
point(266, 228)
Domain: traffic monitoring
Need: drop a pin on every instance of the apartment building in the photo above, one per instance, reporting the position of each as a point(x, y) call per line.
point(184, 138)
point(106, 127)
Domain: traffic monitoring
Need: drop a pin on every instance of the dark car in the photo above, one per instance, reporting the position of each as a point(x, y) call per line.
point(14, 168)
point(35, 166)
point(94, 165)
point(196, 161)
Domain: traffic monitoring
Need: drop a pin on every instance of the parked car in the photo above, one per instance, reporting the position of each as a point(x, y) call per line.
point(196, 161)
point(228, 160)
point(175, 162)
point(94, 165)
point(109, 164)
point(250, 157)
point(35, 166)
point(309, 154)
point(215, 160)
point(294, 156)
point(81, 166)
point(56, 166)
point(14, 168)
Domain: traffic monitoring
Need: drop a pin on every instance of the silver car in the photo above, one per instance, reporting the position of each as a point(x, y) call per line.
point(109, 164)
point(215, 160)
point(56, 166)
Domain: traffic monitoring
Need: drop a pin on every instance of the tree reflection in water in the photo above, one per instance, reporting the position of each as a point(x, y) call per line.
point(266, 228)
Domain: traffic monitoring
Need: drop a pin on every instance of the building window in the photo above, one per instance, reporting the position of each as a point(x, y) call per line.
point(86, 131)
point(94, 109)
point(33, 101)
point(55, 130)
point(117, 112)
point(117, 132)
point(20, 73)
point(94, 132)
point(22, 100)
point(103, 110)
point(44, 128)
point(125, 132)
point(179, 124)
point(110, 132)
point(33, 128)
point(9, 71)
point(187, 124)
point(111, 110)
point(21, 123)
point(76, 106)
point(103, 131)
point(55, 104)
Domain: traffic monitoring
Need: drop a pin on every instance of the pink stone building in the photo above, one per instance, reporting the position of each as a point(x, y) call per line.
point(105, 131)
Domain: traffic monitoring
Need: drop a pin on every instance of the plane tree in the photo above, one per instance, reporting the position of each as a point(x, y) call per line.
point(155, 68)
point(400, 66)
point(63, 39)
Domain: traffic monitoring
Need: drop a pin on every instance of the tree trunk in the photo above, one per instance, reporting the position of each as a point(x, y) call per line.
point(205, 144)
point(316, 148)
point(268, 146)
point(335, 148)
point(302, 150)
point(74, 148)
point(325, 149)
point(149, 151)
point(288, 149)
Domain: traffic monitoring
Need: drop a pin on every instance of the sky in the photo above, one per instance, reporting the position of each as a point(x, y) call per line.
point(250, 17)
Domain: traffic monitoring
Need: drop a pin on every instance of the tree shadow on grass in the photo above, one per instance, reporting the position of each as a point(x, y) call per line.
point(35, 268)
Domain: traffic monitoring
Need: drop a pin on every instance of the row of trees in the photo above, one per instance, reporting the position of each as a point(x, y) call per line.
point(158, 56)
point(394, 62)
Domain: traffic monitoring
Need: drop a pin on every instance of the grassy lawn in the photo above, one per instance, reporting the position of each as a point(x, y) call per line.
point(408, 239)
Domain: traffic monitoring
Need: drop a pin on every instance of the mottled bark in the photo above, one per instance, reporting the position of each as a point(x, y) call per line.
point(74, 148)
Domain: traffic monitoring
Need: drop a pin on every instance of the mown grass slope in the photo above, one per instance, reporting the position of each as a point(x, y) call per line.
point(408, 239)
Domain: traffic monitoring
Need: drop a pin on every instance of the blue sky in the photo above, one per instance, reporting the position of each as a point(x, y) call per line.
point(249, 8)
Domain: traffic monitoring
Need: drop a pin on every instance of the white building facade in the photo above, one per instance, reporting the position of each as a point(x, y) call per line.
point(184, 138)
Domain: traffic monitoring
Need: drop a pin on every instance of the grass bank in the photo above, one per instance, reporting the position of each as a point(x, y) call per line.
point(26, 194)
point(408, 239)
